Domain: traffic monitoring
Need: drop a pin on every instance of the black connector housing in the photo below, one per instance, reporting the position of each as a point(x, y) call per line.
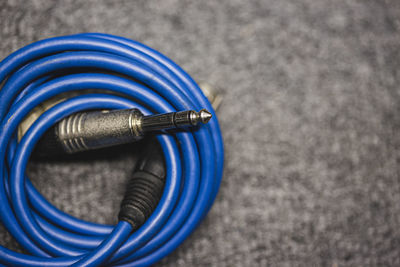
point(145, 188)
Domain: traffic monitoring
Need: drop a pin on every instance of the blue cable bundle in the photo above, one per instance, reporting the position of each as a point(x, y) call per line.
point(138, 77)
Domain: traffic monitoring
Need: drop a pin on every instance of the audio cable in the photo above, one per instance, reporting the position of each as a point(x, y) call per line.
point(137, 90)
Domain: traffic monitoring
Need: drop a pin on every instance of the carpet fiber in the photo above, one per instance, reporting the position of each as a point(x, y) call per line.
point(310, 120)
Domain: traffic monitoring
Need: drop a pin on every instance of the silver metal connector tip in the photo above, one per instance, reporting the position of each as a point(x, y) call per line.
point(205, 116)
point(174, 120)
point(202, 116)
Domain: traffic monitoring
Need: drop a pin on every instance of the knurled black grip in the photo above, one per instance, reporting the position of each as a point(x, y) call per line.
point(144, 189)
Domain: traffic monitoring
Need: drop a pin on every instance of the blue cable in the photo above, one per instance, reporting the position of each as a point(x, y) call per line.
point(146, 80)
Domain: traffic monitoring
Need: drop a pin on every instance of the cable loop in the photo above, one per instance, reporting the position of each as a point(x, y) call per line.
point(138, 77)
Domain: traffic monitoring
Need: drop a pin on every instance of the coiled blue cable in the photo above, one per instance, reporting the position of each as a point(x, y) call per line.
point(138, 77)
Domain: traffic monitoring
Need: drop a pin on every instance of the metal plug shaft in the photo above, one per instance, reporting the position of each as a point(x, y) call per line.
point(98, 129)
point(174, 120)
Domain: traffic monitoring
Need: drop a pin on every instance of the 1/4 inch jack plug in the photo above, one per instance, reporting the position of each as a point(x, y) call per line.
point(98, 129)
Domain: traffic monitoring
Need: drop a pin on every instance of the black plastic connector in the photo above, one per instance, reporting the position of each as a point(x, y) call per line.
point(145, 188)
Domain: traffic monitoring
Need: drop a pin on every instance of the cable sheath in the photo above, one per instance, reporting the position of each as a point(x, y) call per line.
point(132, 76)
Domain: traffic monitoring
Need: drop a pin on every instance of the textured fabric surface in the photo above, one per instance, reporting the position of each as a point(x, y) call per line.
point(310, 119)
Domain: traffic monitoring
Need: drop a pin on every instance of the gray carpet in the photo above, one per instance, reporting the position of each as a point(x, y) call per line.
point(310, 119)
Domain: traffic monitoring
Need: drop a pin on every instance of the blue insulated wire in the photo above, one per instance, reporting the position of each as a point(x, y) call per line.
point(142, 78)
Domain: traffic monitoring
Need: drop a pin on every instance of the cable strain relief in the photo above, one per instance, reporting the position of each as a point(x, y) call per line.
point(142, 195)
point(49, 145)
